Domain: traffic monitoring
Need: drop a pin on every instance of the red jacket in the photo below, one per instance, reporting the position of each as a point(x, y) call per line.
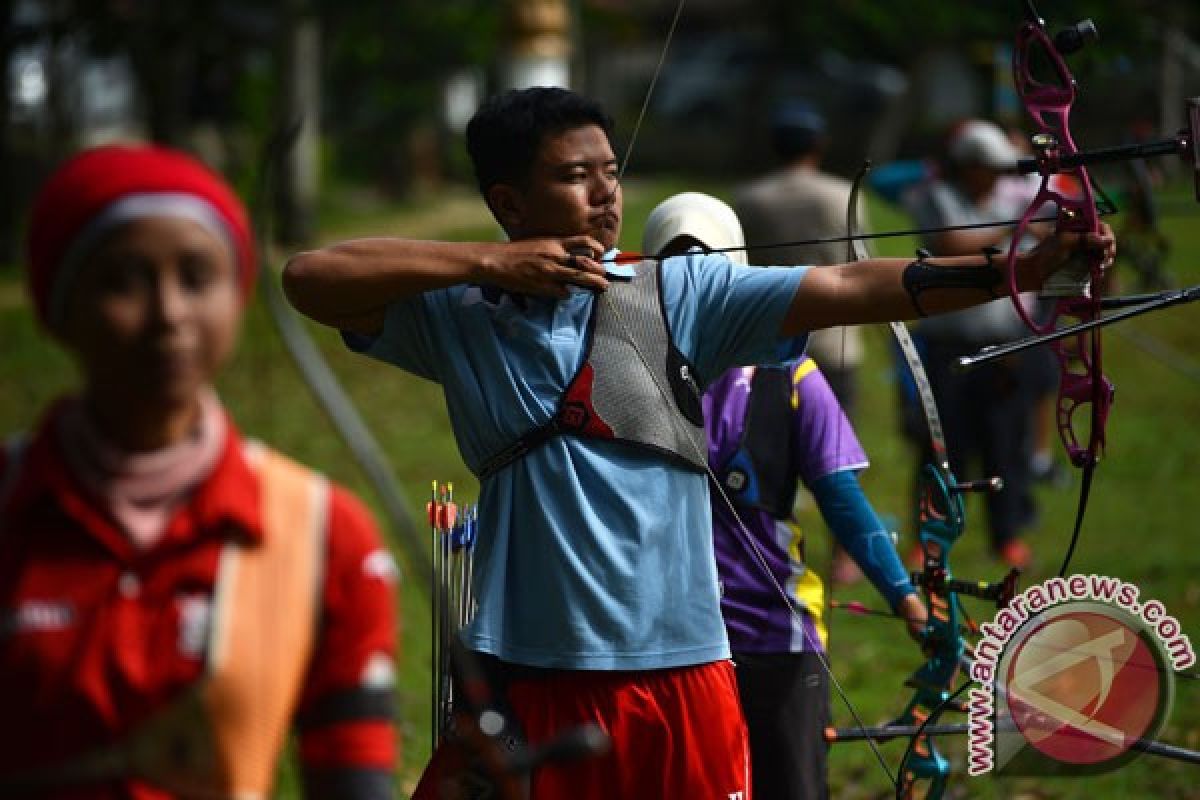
point(95, 636)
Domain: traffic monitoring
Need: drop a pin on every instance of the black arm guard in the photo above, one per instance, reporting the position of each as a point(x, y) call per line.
point(920, 276)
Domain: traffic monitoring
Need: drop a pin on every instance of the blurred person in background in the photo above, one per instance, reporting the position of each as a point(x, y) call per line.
point(769, 429)
point(174, 598)
point(796, 202)
point(986, 412)
point(1016, 192)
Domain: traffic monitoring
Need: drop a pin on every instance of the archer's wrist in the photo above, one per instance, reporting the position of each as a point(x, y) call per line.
point(908, 603)
point(483, 264)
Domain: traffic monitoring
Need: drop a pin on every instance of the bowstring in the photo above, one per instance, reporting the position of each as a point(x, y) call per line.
point(662, 60)
point(1103, 211)
point(748, 542)
point(747, 538)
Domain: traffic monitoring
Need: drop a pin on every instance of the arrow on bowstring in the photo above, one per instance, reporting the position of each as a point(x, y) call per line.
point(630, 257)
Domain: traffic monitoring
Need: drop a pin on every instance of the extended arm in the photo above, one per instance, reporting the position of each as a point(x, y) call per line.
point(349, 285)
point(874, 290)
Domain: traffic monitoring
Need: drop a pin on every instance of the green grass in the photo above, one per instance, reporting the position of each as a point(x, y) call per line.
point(1139, 526)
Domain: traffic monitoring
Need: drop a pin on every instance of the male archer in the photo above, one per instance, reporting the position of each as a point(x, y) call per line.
point(573, 381)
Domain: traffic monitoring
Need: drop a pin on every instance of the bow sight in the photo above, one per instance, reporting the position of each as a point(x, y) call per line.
point(1049, 160)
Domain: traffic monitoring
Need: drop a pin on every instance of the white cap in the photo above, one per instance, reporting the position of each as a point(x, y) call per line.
point(700, 216)
point(979, 142)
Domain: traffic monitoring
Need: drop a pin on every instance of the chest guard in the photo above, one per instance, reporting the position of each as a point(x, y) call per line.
point(761, 474)
point(613, 396)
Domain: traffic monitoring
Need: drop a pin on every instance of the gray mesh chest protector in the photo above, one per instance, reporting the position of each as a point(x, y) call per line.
point(612, 396)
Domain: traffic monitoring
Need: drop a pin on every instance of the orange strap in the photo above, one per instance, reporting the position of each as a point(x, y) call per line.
point(222, 738)
point(264, 625)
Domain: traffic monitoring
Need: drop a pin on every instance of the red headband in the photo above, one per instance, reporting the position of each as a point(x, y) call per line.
point(82, 190)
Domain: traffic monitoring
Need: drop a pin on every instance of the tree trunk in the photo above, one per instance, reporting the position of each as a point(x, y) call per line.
point(10, 199)
point(299, 80)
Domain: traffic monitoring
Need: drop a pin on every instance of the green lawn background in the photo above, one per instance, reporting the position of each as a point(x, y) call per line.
point(1140, 526)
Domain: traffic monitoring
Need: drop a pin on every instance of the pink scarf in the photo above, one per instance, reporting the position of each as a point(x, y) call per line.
point(141, 490)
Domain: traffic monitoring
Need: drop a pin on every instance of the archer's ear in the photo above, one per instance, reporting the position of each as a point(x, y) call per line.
point(507, 205)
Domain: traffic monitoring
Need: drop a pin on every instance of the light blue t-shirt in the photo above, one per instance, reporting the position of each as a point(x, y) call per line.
point(591, 554)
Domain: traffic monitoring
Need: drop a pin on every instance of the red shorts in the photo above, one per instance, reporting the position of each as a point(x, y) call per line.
point(675, 733)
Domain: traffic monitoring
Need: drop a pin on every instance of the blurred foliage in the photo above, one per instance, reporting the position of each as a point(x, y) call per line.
point(188, 56)
point(897, 33)
point(384, 61)
point(198, 61)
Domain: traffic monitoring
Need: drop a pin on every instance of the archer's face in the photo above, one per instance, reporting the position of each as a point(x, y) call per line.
point(153, 313)
point(572, 189)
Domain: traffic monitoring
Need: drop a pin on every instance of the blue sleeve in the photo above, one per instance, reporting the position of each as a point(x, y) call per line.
point(725, 316)
point(858, 529)
point(408, 339)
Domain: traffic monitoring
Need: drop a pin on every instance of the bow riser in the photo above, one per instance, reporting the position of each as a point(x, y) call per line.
point(941, 525)
point(1082, 382)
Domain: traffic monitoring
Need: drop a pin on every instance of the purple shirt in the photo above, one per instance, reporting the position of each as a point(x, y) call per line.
point(756, 617)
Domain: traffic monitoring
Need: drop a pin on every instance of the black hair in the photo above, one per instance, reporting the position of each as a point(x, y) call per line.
point(790, 144)
point(797, 129)
point(505, 133)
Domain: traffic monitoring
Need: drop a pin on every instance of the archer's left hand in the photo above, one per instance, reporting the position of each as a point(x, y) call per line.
point(915, 616)
point(1058, 251)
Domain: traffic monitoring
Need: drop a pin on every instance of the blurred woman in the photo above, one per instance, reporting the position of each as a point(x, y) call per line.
point(173, 597)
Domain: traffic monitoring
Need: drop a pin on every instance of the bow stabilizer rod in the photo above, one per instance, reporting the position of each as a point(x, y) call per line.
point(1157, 302)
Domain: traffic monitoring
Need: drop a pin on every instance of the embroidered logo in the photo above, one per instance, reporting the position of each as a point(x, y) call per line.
point(36, 616)
point(380, 564)
point(195, 622)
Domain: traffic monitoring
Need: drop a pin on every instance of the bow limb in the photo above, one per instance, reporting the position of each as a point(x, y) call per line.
point(857, 252)
point(941, 516)
point(1079, 354)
